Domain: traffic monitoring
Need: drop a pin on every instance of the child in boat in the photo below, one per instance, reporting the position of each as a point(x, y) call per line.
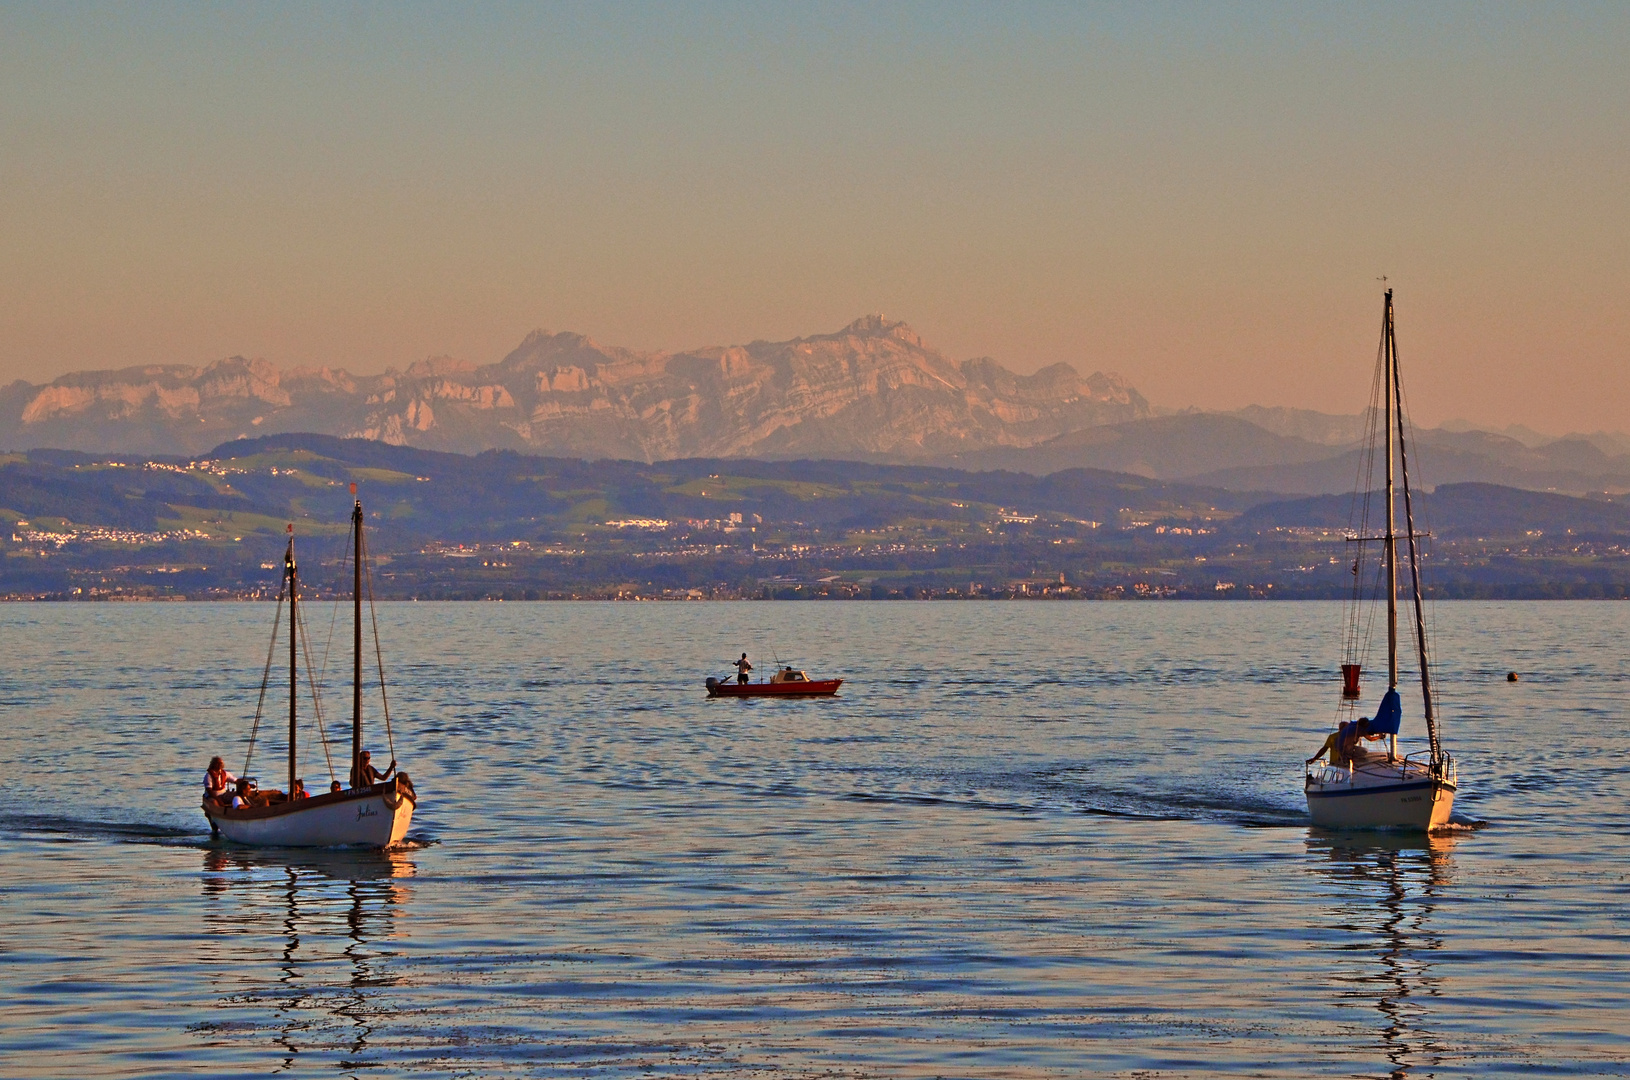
point(299, 791)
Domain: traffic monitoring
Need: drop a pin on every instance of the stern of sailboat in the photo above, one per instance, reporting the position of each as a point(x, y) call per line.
point(1406, 794)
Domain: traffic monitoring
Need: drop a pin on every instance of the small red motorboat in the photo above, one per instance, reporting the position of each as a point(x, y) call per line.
point(787, 682)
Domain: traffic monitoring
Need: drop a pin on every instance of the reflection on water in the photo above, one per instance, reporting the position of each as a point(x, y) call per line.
point(1387, 888)
point(1036, 841)
point(325, 910)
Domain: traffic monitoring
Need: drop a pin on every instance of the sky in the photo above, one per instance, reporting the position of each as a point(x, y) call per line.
point(1201, 197)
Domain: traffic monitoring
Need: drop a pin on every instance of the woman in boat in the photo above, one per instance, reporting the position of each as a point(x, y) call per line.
point(217, 781)
point(299, 791)
point(244, 794)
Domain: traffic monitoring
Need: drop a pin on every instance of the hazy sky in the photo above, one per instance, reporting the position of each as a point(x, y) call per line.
point(1198, 196)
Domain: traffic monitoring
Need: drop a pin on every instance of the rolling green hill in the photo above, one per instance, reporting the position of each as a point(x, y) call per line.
point(502, 523)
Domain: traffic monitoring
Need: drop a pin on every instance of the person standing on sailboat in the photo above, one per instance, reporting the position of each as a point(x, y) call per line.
point(366, 775)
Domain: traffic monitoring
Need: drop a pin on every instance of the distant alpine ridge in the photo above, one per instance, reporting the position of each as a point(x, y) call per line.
point(873, 390)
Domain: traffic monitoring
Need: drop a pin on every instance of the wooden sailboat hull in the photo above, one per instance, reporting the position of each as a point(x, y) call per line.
point(376, 817)
point(1379, 797)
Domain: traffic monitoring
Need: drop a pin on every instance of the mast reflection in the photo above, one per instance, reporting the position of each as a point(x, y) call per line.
point(1388, 887)
point(318, 919)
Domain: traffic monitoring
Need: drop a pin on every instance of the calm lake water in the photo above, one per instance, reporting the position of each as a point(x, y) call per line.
point(1028, 840)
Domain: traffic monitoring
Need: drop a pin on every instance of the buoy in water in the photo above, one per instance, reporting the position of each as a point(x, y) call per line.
point(1511, 676)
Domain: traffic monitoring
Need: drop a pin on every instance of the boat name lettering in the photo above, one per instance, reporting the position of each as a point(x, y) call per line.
point(366, 811)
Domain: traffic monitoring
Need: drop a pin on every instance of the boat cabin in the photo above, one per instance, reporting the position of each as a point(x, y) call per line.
point(788, 674)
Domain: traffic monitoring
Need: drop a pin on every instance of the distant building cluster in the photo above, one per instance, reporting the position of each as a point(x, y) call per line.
point(100, 535)
point(730, 523)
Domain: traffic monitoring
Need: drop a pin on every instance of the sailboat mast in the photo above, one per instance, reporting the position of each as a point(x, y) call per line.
point(1390, 359)
point(1415, 573)
point(356, 643)
point(294, 637)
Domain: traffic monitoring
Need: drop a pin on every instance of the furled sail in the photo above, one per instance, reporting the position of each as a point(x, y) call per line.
point(1389, 715)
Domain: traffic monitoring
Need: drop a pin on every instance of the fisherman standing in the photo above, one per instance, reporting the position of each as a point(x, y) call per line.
point(742, 668)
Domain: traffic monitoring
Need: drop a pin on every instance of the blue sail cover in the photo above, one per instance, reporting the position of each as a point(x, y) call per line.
point(1388, 716)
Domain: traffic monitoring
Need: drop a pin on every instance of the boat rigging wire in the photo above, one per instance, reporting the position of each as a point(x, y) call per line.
point(1359, 636)
point(316, 699)
point(333, 620)
point(379, 656)
point(1427, 648)
point(1415, 567)
point(266, 676)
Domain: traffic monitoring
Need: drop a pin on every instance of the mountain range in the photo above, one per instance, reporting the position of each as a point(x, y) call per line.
point(1236, 451)
point(873, 391)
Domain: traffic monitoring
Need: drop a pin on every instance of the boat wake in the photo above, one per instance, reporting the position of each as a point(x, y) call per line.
point(1085, 792)
point(1077, 791)
point(69, 828)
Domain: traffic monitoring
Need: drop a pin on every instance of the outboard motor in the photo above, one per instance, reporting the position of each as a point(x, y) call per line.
point(712, 682)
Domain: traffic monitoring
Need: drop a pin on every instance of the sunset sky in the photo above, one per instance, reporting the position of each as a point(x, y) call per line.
point(1201, 197)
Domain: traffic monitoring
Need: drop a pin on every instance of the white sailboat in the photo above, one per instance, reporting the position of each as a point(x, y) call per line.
point(369, 814)
point(1367, 791)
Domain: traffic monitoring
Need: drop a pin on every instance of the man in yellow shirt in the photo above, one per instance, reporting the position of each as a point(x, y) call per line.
point(1333, 746)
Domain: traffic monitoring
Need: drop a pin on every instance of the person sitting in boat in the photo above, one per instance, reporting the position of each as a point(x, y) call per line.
point(244, 796)
point(1332, 745)
point(333, 787)
point(742, 668)
point(1357, 735)
point(299, 791)
point(217, 781)
point(366, 775)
